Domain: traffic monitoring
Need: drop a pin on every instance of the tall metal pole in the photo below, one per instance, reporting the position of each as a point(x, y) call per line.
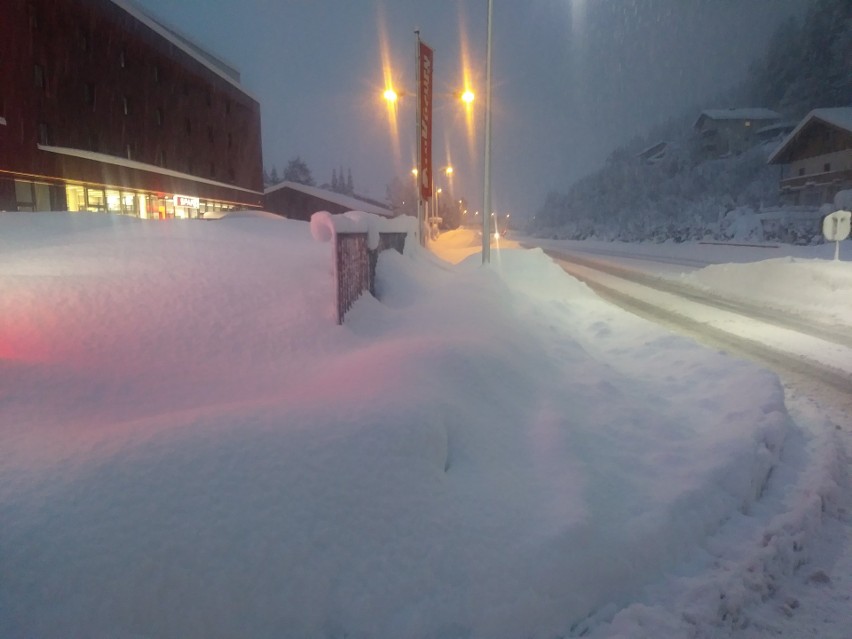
point(421, 217)
point(486, 214)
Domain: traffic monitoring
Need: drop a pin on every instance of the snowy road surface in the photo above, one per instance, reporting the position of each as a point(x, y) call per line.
point(809, 349)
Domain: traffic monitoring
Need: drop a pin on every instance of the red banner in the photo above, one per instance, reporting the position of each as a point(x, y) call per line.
point(424, 91)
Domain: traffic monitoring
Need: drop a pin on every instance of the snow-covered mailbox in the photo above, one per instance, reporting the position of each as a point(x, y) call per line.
point(357, 239)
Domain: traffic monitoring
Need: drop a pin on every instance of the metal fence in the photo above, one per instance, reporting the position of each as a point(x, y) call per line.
point(356, 266)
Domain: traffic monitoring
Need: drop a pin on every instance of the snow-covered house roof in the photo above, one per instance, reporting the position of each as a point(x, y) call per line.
point(839, 117)
point(351, 203)
point(755, 113)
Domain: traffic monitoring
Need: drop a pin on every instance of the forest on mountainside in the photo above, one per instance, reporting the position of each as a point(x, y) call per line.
point(685, 195)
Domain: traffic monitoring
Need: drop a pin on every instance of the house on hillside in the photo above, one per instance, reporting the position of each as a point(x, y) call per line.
point(816, 158)
point(299, 201)
point(731, 131)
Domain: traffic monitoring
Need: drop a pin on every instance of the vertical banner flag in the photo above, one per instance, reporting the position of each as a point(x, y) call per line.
point(425, 96)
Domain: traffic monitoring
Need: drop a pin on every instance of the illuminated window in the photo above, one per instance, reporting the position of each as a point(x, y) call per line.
point(113, 200)
point(75, 198)
point(748, 122)
point(95, 200)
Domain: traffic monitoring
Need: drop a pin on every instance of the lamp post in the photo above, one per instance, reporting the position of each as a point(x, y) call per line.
point(486, 231)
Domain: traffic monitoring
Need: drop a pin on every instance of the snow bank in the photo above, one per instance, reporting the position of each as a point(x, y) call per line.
point(190, 447)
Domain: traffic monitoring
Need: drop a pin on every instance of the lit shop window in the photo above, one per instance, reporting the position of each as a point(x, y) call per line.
point(75, 197)
point(113, 200)
point(95, 200)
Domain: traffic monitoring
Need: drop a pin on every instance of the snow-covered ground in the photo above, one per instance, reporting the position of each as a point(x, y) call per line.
point(191, 447)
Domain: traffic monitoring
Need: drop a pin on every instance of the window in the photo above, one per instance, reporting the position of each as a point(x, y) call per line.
point(747, 123)
point(34, 22)
point(801, 171)
point(826, 167)
point(158, 116)
point(43, 134)
point(89, 94)
point(38, 76)
point(125, 105)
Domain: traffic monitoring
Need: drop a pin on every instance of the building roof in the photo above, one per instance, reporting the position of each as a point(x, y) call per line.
point(213, 62)
point(840, 117)
point(140, 166)
point(353, 203)
point(753, 113)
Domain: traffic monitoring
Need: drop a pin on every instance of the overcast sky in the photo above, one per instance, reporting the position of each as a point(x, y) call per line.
point(573, 79)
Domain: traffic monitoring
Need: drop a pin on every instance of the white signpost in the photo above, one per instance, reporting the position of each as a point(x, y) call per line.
point(836, 228)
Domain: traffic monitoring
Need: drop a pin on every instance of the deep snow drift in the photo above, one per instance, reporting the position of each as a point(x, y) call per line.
point(191, 447)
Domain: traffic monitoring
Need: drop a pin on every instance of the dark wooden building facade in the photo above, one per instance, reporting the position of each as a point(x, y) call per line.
point(104, 108)
point(816, 158)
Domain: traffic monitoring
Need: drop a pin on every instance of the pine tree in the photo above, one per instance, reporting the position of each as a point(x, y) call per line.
point(335, 186)
point(350, 188)
point(297, 171)
point(273, 176)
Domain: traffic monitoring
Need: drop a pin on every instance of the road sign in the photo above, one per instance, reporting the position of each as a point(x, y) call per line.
point(836, 228)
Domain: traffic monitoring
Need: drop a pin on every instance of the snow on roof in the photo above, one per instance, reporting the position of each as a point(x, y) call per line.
point(755, 113)
point(353, 203)
point(841, 117)
point(141, 166)
point(213, 62)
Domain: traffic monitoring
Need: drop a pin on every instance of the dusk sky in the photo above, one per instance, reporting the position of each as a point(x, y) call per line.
point(573, 79)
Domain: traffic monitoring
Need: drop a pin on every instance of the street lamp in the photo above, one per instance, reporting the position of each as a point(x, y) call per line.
point(486, 235)
point(467, 97)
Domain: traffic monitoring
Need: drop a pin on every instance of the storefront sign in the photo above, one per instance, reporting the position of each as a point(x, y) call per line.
point(186, 200)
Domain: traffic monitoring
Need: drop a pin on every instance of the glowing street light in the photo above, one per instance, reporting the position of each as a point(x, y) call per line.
point(390, 95)
point(468, 96)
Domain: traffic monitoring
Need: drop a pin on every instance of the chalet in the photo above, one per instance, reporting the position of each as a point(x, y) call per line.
point(816, 158)
point(299, 201)
point(732, 131)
